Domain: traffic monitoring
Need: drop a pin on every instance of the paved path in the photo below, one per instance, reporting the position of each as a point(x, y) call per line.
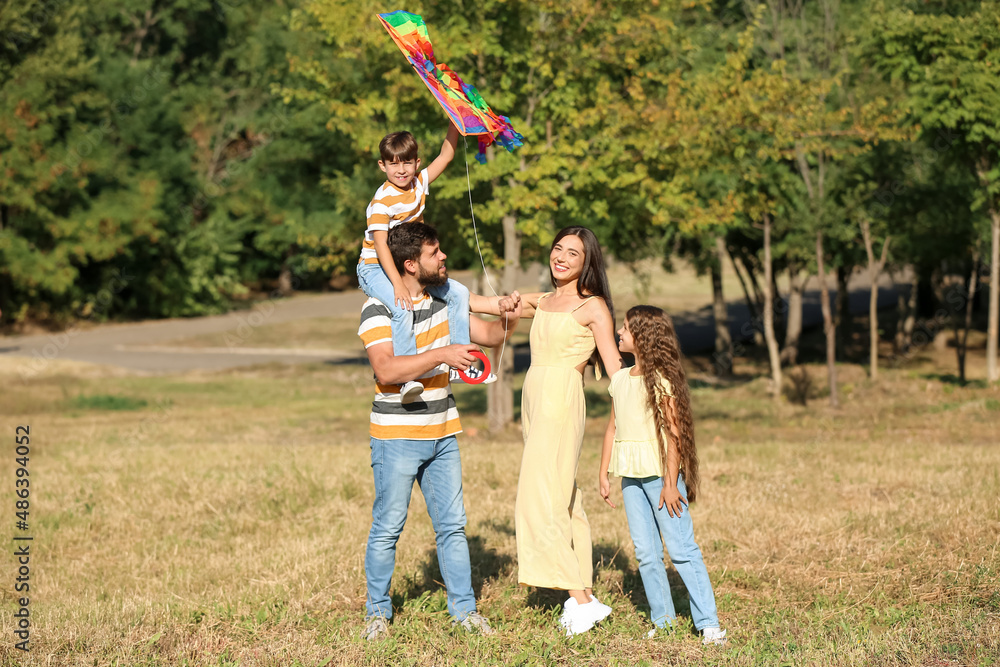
point(134, 346)
point(143, 347)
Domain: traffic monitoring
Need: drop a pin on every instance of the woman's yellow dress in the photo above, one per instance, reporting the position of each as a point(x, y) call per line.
point(553, 534)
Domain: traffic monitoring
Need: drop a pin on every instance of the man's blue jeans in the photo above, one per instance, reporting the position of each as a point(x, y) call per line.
point(436, 466)
point(646, 524)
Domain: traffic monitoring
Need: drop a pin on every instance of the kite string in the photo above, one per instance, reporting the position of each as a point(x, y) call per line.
point(468, 179)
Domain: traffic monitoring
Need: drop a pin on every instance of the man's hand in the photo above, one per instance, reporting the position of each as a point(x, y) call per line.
point(457, 356)
point(673, 499)
point(605, 485)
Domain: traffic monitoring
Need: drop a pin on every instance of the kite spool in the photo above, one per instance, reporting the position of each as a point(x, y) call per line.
point(486, 369)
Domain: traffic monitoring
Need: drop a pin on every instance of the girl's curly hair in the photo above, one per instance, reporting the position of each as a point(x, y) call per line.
point(657, 345)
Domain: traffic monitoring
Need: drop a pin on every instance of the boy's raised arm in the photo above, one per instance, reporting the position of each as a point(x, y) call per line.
point(444, 158)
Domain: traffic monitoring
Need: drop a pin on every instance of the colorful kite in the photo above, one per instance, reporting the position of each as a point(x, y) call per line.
point(463, 103)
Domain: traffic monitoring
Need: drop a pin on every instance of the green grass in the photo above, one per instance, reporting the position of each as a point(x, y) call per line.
point(224, 523)
point(106, 402)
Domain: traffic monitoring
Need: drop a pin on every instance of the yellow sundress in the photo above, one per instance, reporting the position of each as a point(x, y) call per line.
point(553, 534)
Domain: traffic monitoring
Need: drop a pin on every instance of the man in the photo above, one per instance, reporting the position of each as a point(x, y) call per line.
point(416, 441)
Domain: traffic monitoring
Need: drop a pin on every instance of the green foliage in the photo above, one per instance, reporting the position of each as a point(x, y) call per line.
point(163, 160)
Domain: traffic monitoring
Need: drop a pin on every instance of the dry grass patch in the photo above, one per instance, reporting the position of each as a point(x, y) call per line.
point(224, 524)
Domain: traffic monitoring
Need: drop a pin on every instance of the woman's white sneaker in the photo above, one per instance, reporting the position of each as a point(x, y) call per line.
point(603, 609)
point(576, 618)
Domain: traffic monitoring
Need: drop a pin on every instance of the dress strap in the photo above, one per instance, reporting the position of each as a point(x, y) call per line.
point(592, 296)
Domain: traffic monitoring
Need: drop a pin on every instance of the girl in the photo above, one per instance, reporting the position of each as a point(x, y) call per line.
point(571, 326)
point(649, 443)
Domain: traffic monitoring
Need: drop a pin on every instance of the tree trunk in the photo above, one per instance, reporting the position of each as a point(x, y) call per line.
point(500, 394)
point(285, 280)
point(828, 326)
point(962, 341)
point(752, 304)
point(992, 372)
point(723, 339)
point(793, 329)
point(874, 269)
point(907, 319)
point(843, 312)
point(772, 341)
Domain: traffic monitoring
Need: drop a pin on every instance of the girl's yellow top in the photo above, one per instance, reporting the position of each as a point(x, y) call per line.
point(636, 452)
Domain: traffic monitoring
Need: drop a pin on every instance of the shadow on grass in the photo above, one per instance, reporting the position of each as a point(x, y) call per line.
point(951, 378)
point(609, 557)
point(499, 526)
point(348, 361)
point(486, 563)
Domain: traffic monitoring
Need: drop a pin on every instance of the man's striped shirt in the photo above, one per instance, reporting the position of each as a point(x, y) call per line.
point(434, 415)
point(390, 207)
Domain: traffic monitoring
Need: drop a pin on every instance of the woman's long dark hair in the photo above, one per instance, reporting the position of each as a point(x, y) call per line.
point(593, 280)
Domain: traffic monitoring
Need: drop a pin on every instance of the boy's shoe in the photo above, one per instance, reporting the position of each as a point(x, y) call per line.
point(411, 391)
point(376, 627)
point(713, 636)
point(475, 622)
point(473, 373)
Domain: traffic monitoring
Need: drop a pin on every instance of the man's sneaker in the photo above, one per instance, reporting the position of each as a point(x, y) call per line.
point(602, 611)
point(475, 622)
point(713, 636)
point(576, 618)
point(411, 391)
point(473, 373)
point(376, 628)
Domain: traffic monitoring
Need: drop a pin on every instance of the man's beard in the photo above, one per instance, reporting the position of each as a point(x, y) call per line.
point(431, 278)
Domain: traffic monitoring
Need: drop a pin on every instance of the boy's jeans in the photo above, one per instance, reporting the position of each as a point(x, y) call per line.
point(437, 468)
point(376, 284)
point(646, 524)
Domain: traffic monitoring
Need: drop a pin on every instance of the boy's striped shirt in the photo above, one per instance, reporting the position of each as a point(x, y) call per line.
point(435, 415)
point(390, 207)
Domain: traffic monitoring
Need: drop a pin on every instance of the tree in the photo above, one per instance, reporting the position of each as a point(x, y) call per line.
point(564, 72)
point(132, 142)
point(951, 65)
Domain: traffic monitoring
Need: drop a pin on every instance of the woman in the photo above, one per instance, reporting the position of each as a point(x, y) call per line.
point(572, 326)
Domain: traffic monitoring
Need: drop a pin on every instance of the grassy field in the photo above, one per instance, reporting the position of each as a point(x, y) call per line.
point(220, 519)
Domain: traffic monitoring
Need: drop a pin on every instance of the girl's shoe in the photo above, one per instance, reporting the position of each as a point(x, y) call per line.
point(713, 636)
point(411, 391)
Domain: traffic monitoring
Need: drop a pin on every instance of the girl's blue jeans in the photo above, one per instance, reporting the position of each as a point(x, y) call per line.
point(648, 525)
point(376, 284)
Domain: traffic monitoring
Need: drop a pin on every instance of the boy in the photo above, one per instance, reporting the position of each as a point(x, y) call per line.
point(400, 200)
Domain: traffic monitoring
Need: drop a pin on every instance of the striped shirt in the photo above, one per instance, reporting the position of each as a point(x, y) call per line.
point(434, 415)
point(390, 207)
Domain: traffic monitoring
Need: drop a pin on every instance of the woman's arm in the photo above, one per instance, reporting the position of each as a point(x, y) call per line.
point(603, 328)
point(609, 443)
